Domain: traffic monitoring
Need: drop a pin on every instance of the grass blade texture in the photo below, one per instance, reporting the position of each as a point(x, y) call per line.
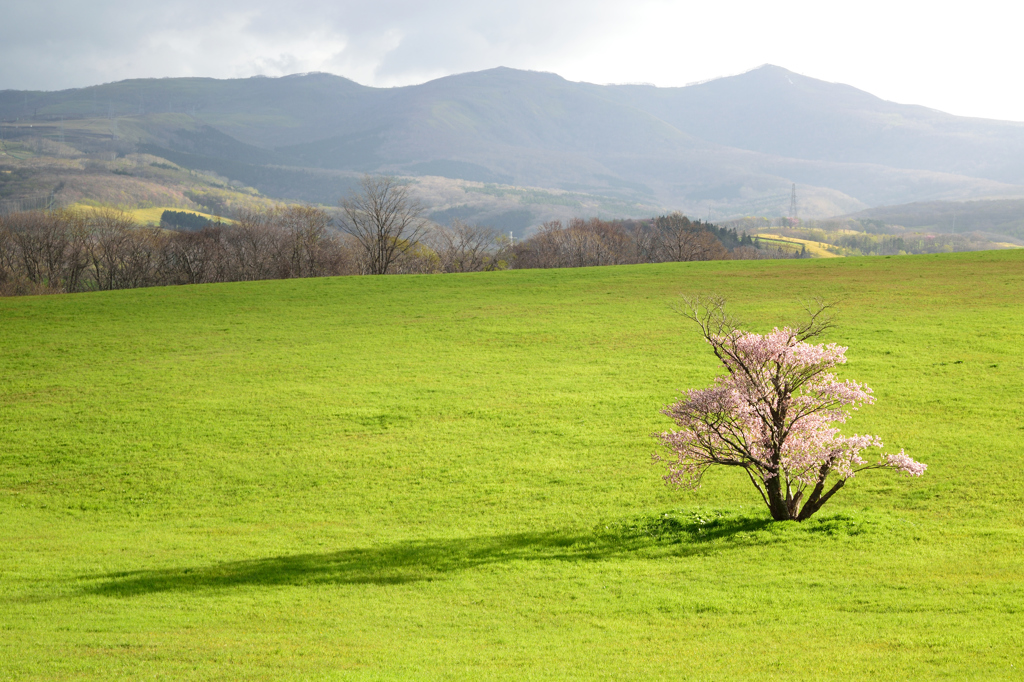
point(438, 477)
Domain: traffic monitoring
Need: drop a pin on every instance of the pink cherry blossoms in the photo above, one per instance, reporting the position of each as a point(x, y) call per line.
point(774, 414)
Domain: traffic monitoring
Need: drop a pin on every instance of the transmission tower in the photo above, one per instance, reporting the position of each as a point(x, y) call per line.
point(792, 204)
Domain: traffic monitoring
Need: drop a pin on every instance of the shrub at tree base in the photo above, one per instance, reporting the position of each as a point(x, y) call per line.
point(773, 415)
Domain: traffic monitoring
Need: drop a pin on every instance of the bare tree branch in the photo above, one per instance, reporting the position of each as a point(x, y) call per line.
point(383, 220)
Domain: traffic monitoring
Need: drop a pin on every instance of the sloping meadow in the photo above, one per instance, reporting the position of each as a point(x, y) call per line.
point(448, 476)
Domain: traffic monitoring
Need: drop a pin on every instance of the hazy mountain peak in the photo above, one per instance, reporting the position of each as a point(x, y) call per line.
point(497, 75)
point(734, 144)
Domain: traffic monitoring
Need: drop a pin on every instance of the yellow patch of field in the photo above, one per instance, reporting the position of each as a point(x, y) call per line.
point(151, 216)
point(1009, 245)
point(816, 249)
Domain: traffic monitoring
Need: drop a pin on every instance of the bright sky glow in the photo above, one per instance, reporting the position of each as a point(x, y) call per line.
point(963, 58)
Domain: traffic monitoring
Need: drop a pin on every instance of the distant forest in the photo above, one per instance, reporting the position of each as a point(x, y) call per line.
point(183, 220)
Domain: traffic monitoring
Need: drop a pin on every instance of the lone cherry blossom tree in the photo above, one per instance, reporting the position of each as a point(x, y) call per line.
point(774, 415)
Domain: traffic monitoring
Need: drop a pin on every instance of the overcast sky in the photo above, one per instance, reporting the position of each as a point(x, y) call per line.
point(966, 61)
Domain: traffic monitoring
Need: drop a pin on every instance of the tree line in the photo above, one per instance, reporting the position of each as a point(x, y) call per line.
point(378, 230)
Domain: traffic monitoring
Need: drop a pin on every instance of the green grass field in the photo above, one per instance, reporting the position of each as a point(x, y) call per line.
point(448, 477)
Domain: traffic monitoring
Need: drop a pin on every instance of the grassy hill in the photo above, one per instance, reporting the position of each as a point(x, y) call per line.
point(446, 477)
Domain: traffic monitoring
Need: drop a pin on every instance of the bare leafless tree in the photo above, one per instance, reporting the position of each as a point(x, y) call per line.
point(8, 253)
point(418, 259)
point(111, 233)
point(465, 248)
point(545, 249)
point(51, 248)
point(613, 245)
point(383, 220)
point(122, 254)
point(198, 257)
point(683, 240)
point(581, 243)
point(305, 232)
point(252, 245)
point(745, 253)
point(645, 240)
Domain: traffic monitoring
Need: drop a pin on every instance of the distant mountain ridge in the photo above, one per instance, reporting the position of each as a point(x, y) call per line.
point(995, 216)
point(726, 147)
point(774, 111)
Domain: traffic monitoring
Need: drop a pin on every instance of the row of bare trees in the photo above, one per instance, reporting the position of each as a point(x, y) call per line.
point(379, 230)
point(390, 234)
point(69, 251)
point(591, 242)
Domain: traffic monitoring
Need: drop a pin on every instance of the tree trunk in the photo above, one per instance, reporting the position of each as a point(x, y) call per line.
point(777, 499)
point(814, 503)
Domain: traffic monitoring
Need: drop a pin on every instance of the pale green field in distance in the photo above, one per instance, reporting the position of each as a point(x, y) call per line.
point(448, 477)
point(152, 216)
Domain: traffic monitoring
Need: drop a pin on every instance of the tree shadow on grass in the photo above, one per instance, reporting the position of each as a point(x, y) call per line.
point(407, 562)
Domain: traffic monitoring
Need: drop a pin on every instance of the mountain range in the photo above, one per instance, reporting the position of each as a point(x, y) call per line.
point(729, 147)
